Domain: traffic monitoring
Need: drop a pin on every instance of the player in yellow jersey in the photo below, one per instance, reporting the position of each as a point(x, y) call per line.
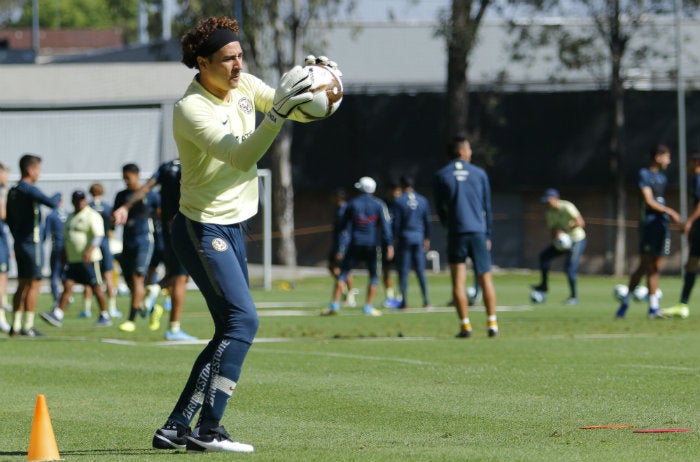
point(219, 145)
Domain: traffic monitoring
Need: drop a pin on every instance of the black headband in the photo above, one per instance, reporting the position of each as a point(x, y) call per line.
point(217, 39)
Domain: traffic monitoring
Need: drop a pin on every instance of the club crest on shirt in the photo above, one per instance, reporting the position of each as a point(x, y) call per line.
point(219, 244)
point(245, 105)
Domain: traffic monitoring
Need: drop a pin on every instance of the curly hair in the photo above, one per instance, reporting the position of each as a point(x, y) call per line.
point(192, 41)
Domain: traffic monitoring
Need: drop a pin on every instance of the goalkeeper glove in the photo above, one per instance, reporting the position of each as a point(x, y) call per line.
point(291, 92)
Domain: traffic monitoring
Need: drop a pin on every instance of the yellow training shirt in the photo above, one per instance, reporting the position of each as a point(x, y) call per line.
point(79, 230)
point(219, 147)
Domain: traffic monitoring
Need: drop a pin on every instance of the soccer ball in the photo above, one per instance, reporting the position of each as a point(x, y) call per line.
point(537, 296)
point(563, 242)
point(472, 295)
point(620, 291)
point(327, 89)
point(640, 293)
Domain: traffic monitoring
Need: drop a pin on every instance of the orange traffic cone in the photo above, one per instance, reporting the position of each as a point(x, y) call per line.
point(42, 443)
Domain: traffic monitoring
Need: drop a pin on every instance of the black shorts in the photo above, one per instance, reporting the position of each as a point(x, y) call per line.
point(87, 274)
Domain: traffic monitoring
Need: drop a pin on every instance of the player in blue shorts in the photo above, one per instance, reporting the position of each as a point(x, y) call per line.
point(168, 177)
point(462, 197)
point(138, 246)
point(83, 232)
point(219, 145)
point(4, 251)
point(411, 227)
point(24, 202)
point(654, 237)
point(369, 226)
point(691, 228)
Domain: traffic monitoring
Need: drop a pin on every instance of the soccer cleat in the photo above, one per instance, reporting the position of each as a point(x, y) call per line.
point(572, 301)
point(656, 314)
point(464, 333)
point(172, 436)
point(52, 319)
point(179, 336)
point(85, 314)
point(31, 332)
point(681, 310)
point(493, 328)
point(393, 303)
point(622, 310)
point(216, 440)
point(540, 288)
point(156, 314)
point(128, 326)
point(369, 310)
point(333, 309)
point(5, 327)
point(103, 321)
point(115, 313)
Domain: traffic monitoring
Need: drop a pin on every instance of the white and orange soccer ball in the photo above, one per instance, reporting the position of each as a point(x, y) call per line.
point(327, 89)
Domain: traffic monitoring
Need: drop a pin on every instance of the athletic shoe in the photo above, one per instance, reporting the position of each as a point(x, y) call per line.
point(369, 310)
point(115, 313)
point(31, 332)
point(103, 321)
point(5, 327)
point(493, 328)
point(656, 314)
point(464, 333)
point(85, 314)
point(156, 314)
point(171, 437)
point(179, 336)
point(622, 310)
point(392, 303)
point(216, 440)
point(128, 326)
point(540, 288)
point(51, 319)
point(333, 309)
point(572, 301)
point(681, 310)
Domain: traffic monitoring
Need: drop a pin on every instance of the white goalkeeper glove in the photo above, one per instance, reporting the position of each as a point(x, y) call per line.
point(311, 59)
point(290, 93)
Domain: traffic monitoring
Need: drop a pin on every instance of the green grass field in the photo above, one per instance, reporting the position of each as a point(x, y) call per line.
point(395, 388)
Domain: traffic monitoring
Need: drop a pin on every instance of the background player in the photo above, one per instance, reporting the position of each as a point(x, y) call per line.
point(654, 238)
point(463, 202)
point(168, 176)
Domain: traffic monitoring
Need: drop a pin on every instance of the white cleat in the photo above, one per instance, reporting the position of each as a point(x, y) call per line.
point(216, 440)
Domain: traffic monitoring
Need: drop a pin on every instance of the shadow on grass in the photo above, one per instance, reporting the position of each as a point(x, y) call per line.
point(94, 452)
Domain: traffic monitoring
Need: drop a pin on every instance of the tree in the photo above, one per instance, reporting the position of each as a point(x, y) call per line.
point(82, 14)
point(460, 27)
point(622, 36)
point(273, 40)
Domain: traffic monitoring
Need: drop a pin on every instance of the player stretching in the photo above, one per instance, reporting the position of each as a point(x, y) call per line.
point(219, 146)
point(654, 239)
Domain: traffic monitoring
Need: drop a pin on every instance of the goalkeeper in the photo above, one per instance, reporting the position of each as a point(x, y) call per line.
point(219, 146)
point(562, 217)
